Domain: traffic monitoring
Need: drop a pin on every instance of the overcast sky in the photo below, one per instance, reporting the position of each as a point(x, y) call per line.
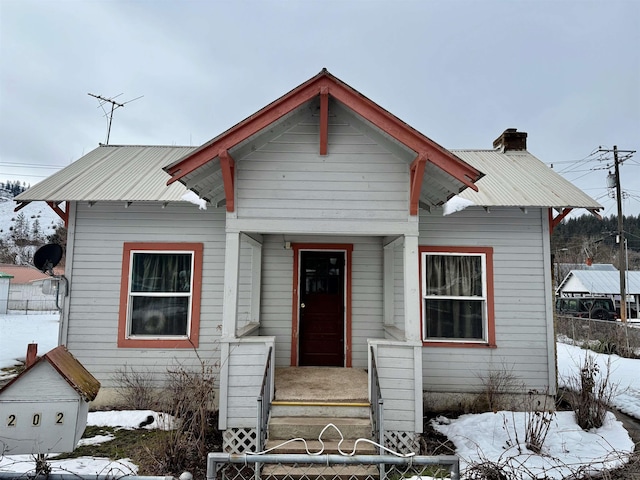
point(566, 72)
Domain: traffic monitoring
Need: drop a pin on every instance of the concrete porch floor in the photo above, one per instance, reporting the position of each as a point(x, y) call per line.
point(321, 384)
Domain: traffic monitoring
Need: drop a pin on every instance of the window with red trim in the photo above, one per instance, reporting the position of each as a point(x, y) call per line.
point(457, 295)
point(160, 295)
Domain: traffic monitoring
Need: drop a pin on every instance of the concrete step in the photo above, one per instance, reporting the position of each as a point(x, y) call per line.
point(320, 409)
point(320, 472)
point(324, 447)
point(310, 428)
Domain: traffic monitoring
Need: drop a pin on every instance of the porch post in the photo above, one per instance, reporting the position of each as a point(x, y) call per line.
point(411, 289)
point(230, 298)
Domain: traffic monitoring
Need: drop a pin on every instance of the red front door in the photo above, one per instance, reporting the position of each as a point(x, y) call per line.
point(322, 308)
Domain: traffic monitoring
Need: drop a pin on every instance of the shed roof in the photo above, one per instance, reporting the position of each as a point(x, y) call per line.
point(70, 369)
point(130, 173)
point(601, 282)
point(519, 179)
point(21, 274)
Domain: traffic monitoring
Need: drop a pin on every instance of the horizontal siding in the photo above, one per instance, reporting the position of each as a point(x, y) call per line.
point(246, 369)
point(41, 383)
point(277, 282)
point(287, 178)
point(100, 232)
point(396, 372)
point(519, 299)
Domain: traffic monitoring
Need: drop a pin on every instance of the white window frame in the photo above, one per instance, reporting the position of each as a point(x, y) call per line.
point(131, 294)
point(483, 298)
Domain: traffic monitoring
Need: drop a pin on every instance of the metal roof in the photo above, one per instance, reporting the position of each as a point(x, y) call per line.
point(519, 179)
point(135, 174)
point(602, 282)
point(113, 173)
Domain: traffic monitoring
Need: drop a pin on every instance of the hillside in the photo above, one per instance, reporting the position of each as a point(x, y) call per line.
point(33, 224)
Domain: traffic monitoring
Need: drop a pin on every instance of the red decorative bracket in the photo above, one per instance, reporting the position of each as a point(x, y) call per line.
point(63, 214)
point(227, 164)
point(555, 221)
point(417, 174)
point(324, 119)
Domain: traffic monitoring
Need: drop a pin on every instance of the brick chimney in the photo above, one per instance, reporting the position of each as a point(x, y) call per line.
point(511, 139)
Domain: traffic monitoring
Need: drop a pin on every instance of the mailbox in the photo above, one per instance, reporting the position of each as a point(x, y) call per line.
point(44, 409)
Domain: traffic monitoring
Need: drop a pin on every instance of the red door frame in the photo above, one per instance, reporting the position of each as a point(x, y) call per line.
point(347, 248)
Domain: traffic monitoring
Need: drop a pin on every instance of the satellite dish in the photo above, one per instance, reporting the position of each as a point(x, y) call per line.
point(47, 257)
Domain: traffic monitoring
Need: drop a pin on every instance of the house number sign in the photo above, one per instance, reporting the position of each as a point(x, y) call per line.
point(35, 420)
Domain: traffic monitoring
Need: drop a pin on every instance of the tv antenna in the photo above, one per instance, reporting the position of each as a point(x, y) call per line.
point(114, 105)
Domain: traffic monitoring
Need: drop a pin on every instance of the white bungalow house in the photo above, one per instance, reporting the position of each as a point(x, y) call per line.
point(323, 242)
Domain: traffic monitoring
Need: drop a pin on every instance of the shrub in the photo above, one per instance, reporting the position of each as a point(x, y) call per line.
point(590, 394)
point(136, 388)
point(496, 384)
point(188, 397)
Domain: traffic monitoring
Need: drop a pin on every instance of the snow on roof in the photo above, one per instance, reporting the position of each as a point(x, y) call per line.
point(519, 179)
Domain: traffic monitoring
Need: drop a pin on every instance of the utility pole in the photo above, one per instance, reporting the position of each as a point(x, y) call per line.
point(621, 255)
point(622, 259)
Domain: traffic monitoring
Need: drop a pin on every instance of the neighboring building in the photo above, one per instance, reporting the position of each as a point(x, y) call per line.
point(26, 288)
point(601, 283)
point(5, 278)
point(325, 239)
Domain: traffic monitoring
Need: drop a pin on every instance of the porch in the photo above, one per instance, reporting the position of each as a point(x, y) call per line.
point(282, 281)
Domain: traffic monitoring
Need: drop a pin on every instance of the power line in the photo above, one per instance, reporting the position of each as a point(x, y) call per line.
point(30, 165)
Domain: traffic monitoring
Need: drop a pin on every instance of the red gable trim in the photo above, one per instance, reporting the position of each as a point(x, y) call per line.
point(321, 84)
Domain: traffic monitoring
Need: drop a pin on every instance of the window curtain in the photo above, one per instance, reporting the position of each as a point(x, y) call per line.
point(451, 276)
point(161, 272)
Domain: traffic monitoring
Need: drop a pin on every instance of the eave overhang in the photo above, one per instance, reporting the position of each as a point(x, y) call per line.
point(323, 85)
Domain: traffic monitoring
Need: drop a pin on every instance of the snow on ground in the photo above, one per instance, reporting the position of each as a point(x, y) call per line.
point(79, 466)
point(489, 436)
point(131, 419)
point(623, 375)
point(499, 438)
point(18, 330)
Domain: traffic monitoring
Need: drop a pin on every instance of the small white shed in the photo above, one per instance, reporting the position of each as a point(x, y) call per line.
point(44, 409)
point(5, 279)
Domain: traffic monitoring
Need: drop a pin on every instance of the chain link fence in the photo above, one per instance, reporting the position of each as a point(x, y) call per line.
point(224, 466)
point(603, 336)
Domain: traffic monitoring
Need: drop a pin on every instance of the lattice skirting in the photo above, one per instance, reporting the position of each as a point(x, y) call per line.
point(239, 440)
point(402, 442)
